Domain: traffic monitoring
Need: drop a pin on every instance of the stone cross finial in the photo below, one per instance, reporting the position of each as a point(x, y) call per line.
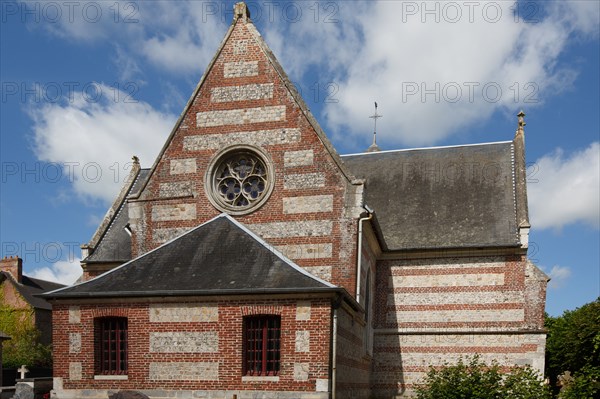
point(23, 370)
point(521, 116)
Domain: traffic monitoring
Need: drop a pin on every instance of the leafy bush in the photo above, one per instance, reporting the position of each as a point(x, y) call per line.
point(476, 380)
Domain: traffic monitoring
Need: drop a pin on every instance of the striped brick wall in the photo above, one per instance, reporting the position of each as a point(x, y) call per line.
point(194, 346)
point(432, 311)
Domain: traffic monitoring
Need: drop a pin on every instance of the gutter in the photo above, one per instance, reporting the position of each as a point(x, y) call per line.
point(171, 293)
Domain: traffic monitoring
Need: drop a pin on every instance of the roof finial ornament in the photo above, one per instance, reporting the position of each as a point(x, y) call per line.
point(374, 147)
point(240, 10)
point(521, 128)
point(135, 159)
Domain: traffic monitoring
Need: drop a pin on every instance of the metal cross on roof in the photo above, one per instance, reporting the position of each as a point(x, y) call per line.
point(375, 116)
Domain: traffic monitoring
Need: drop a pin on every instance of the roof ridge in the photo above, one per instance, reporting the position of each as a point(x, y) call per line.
point(427, 148)
point(35, 279)
point(276, 252)
point(139, 257)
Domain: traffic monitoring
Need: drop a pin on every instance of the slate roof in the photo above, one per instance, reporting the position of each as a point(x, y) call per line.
point(115, 244)
point(219, 257)
point(30, 287)
point(441, 197)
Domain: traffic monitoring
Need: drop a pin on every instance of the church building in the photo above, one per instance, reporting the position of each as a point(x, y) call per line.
point(252, 260)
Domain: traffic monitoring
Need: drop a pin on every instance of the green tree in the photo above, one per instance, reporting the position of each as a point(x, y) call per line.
point(24, 346)
point(573, 343)
point(476, 380)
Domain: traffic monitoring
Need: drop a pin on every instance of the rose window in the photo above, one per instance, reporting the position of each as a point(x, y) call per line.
point(240, 181)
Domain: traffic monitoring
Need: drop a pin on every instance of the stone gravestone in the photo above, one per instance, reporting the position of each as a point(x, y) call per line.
point(23, 391)
point(128, 395)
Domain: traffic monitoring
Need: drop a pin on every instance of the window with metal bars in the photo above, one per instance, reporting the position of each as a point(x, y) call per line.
point(110, 345)
point(262, 345)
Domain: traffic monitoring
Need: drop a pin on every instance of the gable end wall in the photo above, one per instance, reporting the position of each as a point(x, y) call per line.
point(311, 213)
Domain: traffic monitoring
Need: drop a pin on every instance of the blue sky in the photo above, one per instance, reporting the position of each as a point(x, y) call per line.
point(86, 85)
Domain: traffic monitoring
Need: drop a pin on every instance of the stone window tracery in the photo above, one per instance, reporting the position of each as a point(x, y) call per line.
point(239, 181)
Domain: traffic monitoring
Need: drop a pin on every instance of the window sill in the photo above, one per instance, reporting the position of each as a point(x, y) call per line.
point(250, 378)
point(111, 377)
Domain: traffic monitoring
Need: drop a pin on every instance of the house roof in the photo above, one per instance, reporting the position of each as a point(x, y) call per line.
point(219, 257)
point(441, 197)
point(30, 287)
point(114, 244)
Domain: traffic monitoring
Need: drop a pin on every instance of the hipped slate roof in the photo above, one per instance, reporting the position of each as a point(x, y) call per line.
point(115, 243)
point(440, 198)
point(30, 288)
point(219, 257)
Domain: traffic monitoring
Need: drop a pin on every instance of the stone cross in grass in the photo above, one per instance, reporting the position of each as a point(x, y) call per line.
point(23, 370)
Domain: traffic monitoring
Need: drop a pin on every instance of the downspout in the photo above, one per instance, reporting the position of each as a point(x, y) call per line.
point(334, 354)
point(336, 304)
point(359, 252)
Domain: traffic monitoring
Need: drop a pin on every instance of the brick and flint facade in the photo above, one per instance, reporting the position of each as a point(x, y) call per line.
point(365, 269)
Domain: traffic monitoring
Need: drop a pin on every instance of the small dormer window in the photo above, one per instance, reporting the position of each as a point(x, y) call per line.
point(239, 180)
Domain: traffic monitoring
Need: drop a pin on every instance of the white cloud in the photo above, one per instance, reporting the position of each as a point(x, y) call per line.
point(126, 64)
point(565, 189)
point(177, 36)
point(558, 276)
point(417, 59)
point(396, 53)
point(582, 13)
point(95, 138)
point(191, 45)
point(64, 272)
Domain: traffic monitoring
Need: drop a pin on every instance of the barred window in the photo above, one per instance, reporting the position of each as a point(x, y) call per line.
point(262, 345)
point(110, 342)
